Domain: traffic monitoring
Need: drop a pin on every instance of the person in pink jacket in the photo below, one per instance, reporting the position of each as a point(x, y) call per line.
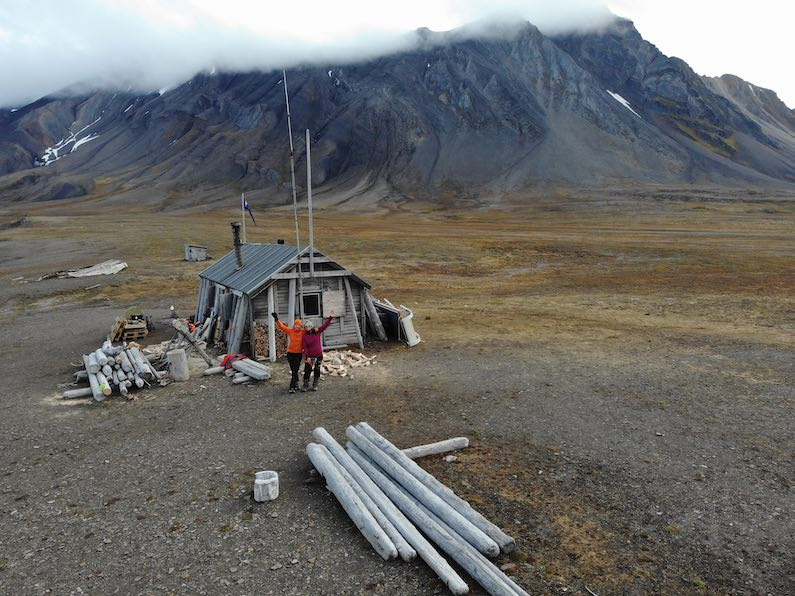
point(313, 352)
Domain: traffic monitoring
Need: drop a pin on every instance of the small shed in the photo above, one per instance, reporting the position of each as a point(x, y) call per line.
point(243, 287)
point(194, 252)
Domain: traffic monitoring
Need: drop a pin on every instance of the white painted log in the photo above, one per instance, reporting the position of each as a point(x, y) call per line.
point(239, 375)
point(326, 465)
point(252, 369)
point(463, 553)
point(75, 393)
point(126, 365)
point(436, 448)
point(102, 358)
point(104, 384)
point(151, 357)
point(123, 388)
point(135, 364)
point(81, 376)
point(91, 363)
point(96, 390)
point(139, 382)
point(213, 370)
point(107, 370)
point(130, 375)
point(505, 542)
point(243, 379)
point(348, 470)
point(423, 494)
point(178, 365)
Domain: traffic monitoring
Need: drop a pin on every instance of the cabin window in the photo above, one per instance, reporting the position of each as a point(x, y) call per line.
point(312, 305)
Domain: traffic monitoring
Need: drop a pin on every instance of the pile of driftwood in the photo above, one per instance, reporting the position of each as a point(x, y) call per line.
point(336, 363)
point(242, 371)
point(183, 339)
point(113, 368)
point(261, 339)
point(396, 504)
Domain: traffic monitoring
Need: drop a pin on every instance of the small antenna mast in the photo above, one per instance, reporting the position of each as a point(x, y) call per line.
point(295, 198)
point(309, 202)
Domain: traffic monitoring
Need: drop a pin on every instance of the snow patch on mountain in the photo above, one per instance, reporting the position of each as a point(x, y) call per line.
point(623, 102)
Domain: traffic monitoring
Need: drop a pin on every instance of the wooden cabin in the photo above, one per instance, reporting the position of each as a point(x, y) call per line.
point(242, 288)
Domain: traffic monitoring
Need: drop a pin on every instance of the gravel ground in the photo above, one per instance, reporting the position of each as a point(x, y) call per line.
point(655, 463)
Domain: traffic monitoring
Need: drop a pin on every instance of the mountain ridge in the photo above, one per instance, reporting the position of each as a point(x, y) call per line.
point(503, 112)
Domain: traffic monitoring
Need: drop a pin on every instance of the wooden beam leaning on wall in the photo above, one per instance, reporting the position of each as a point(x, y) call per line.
point(352, 306)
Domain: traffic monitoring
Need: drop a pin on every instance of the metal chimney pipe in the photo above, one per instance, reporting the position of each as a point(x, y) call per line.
point(236, 235)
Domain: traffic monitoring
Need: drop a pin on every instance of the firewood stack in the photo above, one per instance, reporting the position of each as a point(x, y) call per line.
point(113, 369)
point(261, 333)
point(337, 363)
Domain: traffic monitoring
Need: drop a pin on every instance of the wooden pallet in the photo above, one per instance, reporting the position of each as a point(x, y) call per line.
point(136, 330)
point(117, 330)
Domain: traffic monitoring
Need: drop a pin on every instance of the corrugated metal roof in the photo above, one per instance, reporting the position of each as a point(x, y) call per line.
point(260, 261)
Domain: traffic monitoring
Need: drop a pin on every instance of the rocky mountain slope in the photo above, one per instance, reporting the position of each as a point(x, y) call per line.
point(459, 115)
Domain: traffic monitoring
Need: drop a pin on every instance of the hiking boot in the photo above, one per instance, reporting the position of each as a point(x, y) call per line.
point(305, 387)
point(314, 386)
point(291, 390)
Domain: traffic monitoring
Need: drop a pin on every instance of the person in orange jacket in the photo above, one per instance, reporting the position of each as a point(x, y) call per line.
point(295, 348)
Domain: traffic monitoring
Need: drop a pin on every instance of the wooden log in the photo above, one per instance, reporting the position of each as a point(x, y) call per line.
point(373, 499)
point(423, 494)
point(352, 306)
point(102, 358)
point(242, 379)
point(505, 542)
point(123, 389)
point(213, 370)
point(463, 553)
point(104, 384)
point(139, 382)
point(272, 326)
point(238, 323)
point(91, 363)
point(180, 327)
point(436, 448)
point(372, 315)
point(252, 370)
point(107, 370)
point(326, 465)
point(75, 393)
point(96, 390)
point(126, 365)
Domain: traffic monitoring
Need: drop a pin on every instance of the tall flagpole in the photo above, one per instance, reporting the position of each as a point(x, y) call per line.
point(295, 198)
point(243, 214)
point(309, 202)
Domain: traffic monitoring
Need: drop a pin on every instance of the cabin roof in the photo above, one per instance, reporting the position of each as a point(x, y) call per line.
point(260, 262)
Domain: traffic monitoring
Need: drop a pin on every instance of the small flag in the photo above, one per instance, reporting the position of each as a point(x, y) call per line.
point(247, 207)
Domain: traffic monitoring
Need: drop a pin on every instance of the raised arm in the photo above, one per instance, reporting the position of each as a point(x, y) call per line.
point(279, 324)
point(325, 325)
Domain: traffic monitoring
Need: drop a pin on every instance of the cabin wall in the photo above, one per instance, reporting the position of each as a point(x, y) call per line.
point(342, 329)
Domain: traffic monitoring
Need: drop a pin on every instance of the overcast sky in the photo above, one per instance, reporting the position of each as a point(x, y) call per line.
point(150, 44)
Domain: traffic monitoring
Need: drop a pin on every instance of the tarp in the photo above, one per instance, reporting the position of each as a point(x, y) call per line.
point(109, 267)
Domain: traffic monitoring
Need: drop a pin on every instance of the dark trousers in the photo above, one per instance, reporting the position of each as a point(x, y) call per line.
point(294, 360)
point(308, 371)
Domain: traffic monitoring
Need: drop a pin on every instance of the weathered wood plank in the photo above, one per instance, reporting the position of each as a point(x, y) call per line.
point(505, 542)
point(352, 306)
point(352, 504)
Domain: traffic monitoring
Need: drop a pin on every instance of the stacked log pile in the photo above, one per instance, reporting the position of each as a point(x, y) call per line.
point(112, 369)
point(338, 363)
point(396, 505)
point(261, 337)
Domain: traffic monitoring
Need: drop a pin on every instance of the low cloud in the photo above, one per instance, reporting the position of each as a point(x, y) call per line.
point(152, 44)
